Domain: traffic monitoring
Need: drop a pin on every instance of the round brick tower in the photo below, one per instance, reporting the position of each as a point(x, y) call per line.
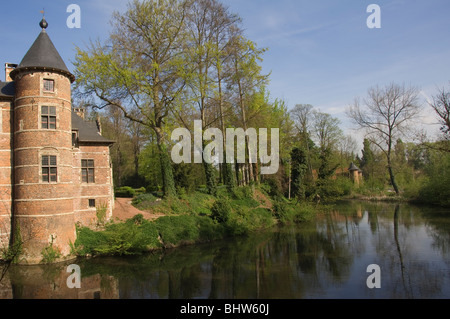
point(43, 188)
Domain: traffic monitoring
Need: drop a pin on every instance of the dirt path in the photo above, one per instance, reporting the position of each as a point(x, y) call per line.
point(123, 210)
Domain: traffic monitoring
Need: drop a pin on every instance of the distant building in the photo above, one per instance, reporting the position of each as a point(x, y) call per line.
point(55, 167)
point(355, 174)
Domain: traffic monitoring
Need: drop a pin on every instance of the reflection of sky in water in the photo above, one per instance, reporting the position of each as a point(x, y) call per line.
point(327, 258)
point(423, 271)
point(412, 265)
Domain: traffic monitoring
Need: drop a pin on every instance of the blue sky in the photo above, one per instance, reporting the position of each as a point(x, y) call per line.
point(320, 52)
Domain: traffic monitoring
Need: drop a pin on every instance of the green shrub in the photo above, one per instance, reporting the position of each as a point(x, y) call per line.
point(221, 210)
point(135, 236)
point(209, 230)
point(50, 253)
point(140, 191)
point(125, 192)
point(288, 213)
point(436, 191)
point(144, 201)
point(101, 213)
point(273, 188)
point(177, 230)
point(334, 188)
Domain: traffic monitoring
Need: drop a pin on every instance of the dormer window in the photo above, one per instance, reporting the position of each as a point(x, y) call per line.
point(48, 117)
point(49, 85)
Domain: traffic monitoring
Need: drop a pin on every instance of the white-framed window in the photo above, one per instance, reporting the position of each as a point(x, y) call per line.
point(49, 169)
point(87, 171)
point(49, 85)
point(48, 117)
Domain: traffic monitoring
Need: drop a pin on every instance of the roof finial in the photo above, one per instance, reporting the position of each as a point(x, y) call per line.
point(43, 24)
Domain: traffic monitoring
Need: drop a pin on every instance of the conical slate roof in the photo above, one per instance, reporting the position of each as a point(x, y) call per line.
point(353, 167)
point(43, 55)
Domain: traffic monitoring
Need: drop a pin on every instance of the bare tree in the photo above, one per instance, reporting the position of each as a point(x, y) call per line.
point(301, 115)
point(385, 116)
point(326, 130)
point(441, 105)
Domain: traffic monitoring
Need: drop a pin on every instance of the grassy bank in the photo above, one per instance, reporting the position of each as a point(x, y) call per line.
point(191, 218)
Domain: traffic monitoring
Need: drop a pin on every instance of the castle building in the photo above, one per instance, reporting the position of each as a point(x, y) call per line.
point(55, 168)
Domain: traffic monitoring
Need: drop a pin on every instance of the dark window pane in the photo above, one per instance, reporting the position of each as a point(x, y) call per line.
point(45, 174)
point(91, 175)
point(44, 110)
point(52, 110)
point(91, 202)
point(53, 160)
point(44, 160)
point(52, 122)
point(44, 120)
point(87, 171)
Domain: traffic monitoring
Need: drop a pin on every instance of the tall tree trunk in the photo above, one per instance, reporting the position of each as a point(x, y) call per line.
point(390, 169)
point(244, 121)
point(392, 176)
point(166, 167)
point(227, 170)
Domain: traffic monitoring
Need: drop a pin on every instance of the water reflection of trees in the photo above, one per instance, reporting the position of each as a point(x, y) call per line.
point(406, 259)
point(289, 262)
point(285, 263)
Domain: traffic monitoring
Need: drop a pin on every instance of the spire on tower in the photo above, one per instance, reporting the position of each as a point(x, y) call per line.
point(43, 24)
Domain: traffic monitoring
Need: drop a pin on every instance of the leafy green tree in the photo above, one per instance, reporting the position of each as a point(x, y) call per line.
point(327, 133)
point(299, 170)
point(114, 127)
point(246, 79)
point(302, 117)
point(367, 160)
point(435, 190)
point(141, 69)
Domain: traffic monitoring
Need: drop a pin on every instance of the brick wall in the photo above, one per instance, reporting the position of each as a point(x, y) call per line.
point(46, 211)
point(43, 209)
point(5, 172)
point(100, 190)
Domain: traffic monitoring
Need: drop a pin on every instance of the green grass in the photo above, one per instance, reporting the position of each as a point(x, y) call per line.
point(194, 218)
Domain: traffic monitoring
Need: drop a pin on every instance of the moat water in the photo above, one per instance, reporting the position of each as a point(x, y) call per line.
point(323, 259)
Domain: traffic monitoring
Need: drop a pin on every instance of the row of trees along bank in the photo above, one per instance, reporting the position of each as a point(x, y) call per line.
point(167, 63)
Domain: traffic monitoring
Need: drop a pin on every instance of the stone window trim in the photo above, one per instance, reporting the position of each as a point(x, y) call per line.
point(49, 168)
point(48, 85)
point(88, 171)
point(45, 80)
point(48, 117)
point(75, 139)
point(52, 154)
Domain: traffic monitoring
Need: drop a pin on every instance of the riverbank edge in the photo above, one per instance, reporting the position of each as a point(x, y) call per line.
point(212, 218)
point(392, 199)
